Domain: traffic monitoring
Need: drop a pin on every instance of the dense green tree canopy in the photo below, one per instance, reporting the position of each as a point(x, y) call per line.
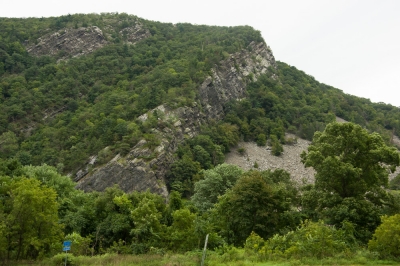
point(215, 183)
point(385, 240)
point(256, 203)
point(62, 112)
point(352, 167)
point(74, 108)
point(349, 161)
point(29, 223)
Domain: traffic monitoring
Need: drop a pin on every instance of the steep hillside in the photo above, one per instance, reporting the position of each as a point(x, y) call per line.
point(65, 112)
point(116, 99)
point(145, 165)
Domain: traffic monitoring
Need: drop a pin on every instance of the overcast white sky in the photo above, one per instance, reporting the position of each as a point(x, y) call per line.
point(352, 45)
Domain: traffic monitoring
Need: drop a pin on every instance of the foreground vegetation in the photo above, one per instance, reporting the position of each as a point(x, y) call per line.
point(262, 211)
point(235, 257)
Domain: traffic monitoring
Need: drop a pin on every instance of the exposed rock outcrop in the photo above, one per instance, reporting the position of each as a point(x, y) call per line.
point(134, 34)
point(144, 167)
point(69, 42)
point(229, 79)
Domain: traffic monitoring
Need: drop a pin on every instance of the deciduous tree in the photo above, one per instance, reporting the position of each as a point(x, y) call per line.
point(352, 166)
point(30, 219)
point(215, 183)
point(349, 161)
point(253, 204)
point(386, 240)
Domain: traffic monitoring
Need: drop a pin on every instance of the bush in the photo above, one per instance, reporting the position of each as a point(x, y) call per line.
point(229, 253)
point(104, 155)
point(254, 243)
point(60, 258)
point(316, 240)
point(291, 141)
point(241, 151)
point(277, 148)
point(80, 245)
point(386, 239)
point(395, 183)
point(261, 140)
point(311, 239)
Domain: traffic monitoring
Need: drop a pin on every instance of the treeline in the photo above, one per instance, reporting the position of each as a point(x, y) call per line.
point(40, 207)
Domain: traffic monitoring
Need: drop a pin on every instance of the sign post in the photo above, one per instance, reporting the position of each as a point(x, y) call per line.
point(66, 247)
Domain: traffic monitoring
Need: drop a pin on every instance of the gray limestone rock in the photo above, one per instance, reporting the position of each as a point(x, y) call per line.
point(134, 34)
point(69, 42)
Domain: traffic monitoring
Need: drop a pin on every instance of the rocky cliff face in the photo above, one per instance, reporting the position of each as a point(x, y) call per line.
point(70, 42)
point(145, 168)
point(229, 79)
point(134, 34)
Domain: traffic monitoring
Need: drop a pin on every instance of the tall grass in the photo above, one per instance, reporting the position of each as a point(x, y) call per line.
point(229, 257)
point(122, 260)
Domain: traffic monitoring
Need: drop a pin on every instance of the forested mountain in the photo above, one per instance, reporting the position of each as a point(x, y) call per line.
point(60, 110)
point(115, 99)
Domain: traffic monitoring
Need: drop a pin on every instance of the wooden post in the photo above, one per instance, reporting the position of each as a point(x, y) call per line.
point(204, 251)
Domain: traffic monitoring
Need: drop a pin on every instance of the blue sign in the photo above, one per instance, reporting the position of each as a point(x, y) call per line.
point(66, 245)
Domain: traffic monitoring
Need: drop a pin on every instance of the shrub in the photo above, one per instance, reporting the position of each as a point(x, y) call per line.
point(386, 240)
point(395, 183)
point(254, 243)
point(62, 259)
point(316, 240)
point(261, 140)
point(241, 151)
point(291, 141)
point(277, 148)
point(80, 245)
point(311, 239)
